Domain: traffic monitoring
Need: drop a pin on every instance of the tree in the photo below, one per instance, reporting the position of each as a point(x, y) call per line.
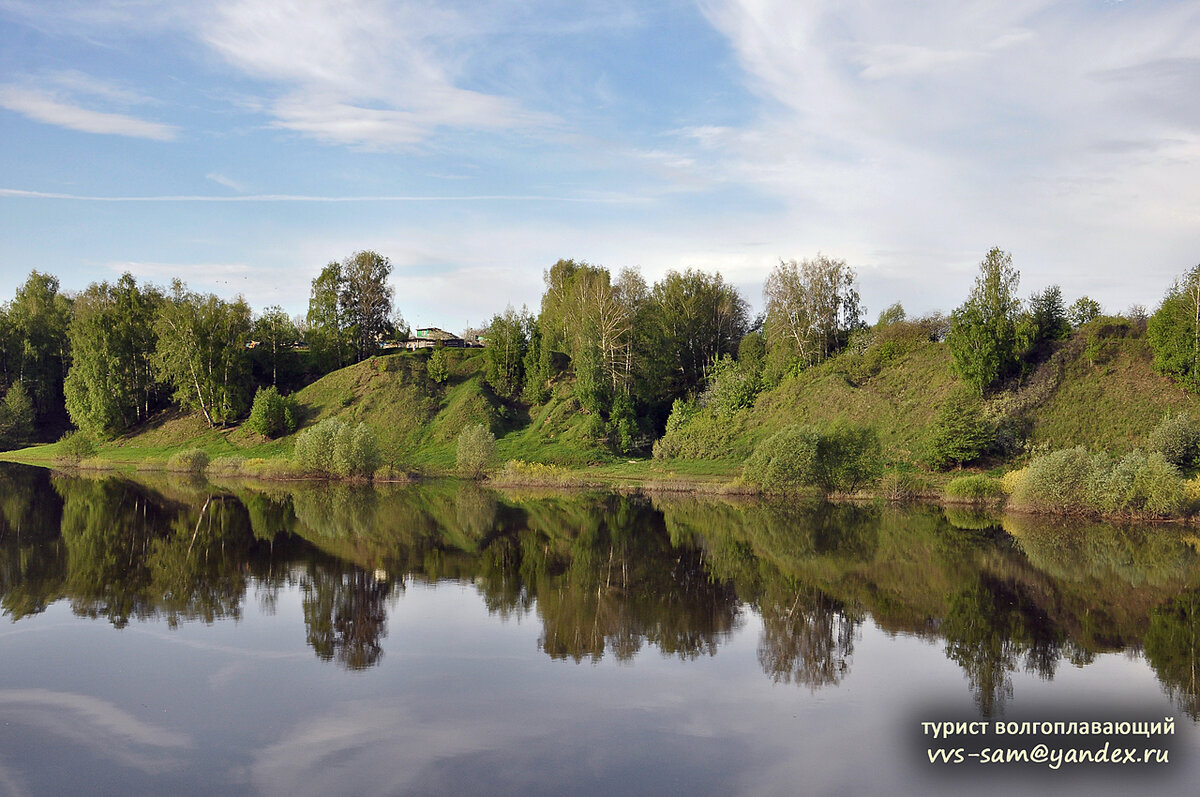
point(961, 432)
point(983, 331)
point(812, 307)
point(277, 337)
point(327, 336)
point(1083, 310)
point(16, 416)
point(1174, 331)
point(110, 385)
point(366, 301)
point(507, 342)
point(39, 316)
point(693, 319)
point(1044, 322)
point(201, 352)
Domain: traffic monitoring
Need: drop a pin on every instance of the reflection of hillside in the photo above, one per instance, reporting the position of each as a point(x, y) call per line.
point(999, 604)
point(610, 575)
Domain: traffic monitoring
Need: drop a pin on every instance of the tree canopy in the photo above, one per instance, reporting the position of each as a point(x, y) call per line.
point(983, 331)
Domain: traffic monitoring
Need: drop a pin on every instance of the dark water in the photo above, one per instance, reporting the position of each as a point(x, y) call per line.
point(172, 637)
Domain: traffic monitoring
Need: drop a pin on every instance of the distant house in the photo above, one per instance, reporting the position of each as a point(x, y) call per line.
point(429, 337)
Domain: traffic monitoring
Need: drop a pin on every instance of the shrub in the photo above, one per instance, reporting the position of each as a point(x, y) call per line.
point(974, 488)
point(1071, 481)
point(191, 460)
point(336, 448)
point(1010, 480)
point(476, 449)
point(1176, 438)
point(897, 486)
point(842, 458)
point(273, 415)
point(16, 415)
point(785, 459)
point(516, 471)
point(355, 452)
point(77, 445)
point(436, 366)
point(961, 431)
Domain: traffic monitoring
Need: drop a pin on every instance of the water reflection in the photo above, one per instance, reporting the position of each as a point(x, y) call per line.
point(611, 575)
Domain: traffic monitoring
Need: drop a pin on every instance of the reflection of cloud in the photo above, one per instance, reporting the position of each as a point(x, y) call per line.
point(93, 723)
point(371, 748)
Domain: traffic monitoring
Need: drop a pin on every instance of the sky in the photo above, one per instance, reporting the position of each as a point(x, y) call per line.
point(241, 146)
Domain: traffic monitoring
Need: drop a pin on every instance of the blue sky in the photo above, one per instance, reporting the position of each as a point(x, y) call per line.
point(242, 145)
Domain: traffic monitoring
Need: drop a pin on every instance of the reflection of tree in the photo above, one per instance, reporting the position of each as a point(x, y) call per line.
point(623, 584)
point(346, 615)
point(32, 559)
point(807, 638)
point(989, 628)
point(1172, 647)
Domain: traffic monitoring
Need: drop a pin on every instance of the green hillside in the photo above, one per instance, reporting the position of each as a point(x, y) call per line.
point(1097, 388)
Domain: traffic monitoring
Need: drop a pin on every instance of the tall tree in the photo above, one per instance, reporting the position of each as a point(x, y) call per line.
point(366, 300)
point(812, 307)
point(507, 343)
point(39, 316)
point(983, 331)
point(111, 383)
point(276, 336)
point(694, 318)
point(201, 352)
point(327, 334)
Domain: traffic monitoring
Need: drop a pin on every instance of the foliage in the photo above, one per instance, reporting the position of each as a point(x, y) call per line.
point(273, 415)
point(328, 335)
point(191, 460)
point(436, 366)
point(277, 337)
point(1083, 310)
point(201, 352)
point(1174, 331)
point(812, 307)
point(1176, 438)
point(902, 486)
point(622, 427)
point(334, 447)
point(893, 314)
point(961, 431)
point(1044, 321)
point(16, 416)
point(38, 317)
point(111, 383)
point(842, 458)
point(366, 301)
point(77, 445)
point(507, 343)
point(975, 487)
point(983, 331)
point(476, 450)
point(1074, 481)
point(536, 365)
point(693, 319)
point(731, 387)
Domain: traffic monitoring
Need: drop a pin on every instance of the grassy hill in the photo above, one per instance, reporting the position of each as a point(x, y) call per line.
point(1097, 388)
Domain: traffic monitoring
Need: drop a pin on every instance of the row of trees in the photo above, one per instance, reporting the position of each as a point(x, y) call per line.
point(634, 349)
point(108, 357)
point(111, 355)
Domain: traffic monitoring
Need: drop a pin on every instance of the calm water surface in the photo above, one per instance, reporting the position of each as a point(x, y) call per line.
point(178, 637)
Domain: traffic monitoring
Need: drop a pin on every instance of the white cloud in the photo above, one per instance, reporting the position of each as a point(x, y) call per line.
point(368, 73)
point(917, 135)
point(44, 106)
